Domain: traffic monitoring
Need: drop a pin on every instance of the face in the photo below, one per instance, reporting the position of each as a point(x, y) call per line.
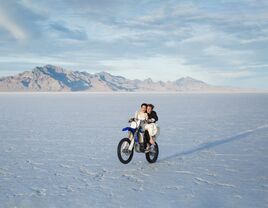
point(149, 109)
point(143, 109)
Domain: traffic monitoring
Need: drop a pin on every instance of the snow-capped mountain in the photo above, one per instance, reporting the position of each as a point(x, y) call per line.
point(55, 78)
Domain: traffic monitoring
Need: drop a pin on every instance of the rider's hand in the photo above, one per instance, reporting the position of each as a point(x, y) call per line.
point(131, 119)
point(151, 120)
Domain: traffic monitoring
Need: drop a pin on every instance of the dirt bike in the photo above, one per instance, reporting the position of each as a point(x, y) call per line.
point(137, 140)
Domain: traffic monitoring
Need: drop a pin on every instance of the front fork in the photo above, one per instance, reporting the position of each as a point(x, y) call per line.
point(132, 141)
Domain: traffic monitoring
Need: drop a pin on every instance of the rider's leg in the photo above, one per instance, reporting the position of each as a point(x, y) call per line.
point(150, 132)
point(152, 140)
point(147, 140)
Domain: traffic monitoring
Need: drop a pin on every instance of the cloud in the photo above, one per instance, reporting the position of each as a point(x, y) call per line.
point(234, 74)
point(254, 67)
point(157, 67)
point(163, 39)
point(255, 40)
point(216, 51)
point(66, 32)
point(11, 26)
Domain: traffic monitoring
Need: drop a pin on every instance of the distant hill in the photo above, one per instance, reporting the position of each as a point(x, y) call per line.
point(55, 78)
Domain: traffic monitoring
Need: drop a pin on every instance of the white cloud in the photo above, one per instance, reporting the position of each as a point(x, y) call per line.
point(170, 68)
point(35, 60)
point(35, 6)
point(156, 67)
point(181, 9)
point(254, 66)
point(231, 57)
point(234, 74)
point(205, 33)
point(11, 26)
point(153, 16)
point(254, 40)
point(225, 52)
point(185, 9)
point(171, 44)
point(163, 40)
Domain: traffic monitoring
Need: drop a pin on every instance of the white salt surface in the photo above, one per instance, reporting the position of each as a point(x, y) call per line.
point(59, 150)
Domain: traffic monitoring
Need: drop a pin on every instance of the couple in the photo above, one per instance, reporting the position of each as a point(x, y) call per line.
point(148, 114)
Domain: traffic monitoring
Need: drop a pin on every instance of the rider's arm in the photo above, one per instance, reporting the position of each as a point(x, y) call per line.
point(146, 118)
point(155, 116)
point(136, 115)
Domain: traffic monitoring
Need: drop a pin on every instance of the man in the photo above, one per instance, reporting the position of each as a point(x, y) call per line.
point(152, 115)
point(151, 126)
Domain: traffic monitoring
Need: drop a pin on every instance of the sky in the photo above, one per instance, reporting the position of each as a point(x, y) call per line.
point(223, 42)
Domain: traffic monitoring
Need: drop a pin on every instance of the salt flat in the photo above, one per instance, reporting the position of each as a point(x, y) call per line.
point(59, 150)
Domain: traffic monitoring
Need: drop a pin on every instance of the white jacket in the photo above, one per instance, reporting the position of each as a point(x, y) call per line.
point(141, 116)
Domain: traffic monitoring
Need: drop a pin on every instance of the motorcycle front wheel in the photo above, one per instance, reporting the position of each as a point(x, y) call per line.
point(124, 155)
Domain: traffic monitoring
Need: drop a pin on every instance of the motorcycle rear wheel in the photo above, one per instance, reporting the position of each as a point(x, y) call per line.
point(152, 156)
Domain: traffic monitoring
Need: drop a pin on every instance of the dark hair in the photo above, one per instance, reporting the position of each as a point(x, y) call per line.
point(151, 105)
point(144, 104)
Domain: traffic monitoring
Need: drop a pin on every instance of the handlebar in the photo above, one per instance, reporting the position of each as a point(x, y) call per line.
point(145, 121)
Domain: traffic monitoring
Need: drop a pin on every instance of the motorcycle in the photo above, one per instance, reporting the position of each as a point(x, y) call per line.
point(137, 140)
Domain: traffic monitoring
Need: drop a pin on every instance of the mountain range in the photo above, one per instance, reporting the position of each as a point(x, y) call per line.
point(55, 78)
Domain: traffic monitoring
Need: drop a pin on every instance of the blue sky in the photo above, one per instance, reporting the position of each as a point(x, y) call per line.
point(221, 42)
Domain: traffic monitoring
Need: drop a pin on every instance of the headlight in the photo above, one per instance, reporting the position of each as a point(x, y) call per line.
point(133, 125)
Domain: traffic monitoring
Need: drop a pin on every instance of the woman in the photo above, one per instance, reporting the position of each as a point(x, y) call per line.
point(142, 113)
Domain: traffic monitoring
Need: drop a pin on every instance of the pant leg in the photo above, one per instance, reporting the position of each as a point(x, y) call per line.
point(152, 129)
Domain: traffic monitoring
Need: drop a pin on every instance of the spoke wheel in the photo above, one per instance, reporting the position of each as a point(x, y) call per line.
point(123, 153)
point(152, 156)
